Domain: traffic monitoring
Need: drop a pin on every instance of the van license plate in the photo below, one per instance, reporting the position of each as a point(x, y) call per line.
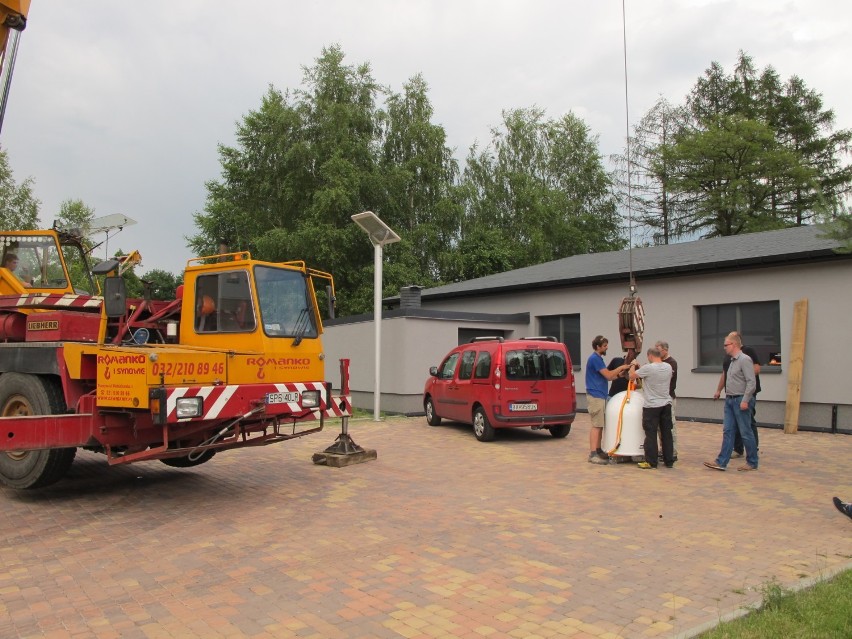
point(522, 407)
point(281, 398)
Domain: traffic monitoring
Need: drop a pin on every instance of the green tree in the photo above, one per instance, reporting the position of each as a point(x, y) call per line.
point(310, 158)
point(807, 129)
point(262, 178)
point(734, 169)
point(645, 177)
point(791, 181)
point(750, 153)
point(838, 226)
point(542, 187)
point(304, 163)
point(19, 208)
point(76, 215)
point(163, 285)
point(419, 175)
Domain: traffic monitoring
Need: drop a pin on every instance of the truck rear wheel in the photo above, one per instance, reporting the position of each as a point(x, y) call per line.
point(31, 395)
point(186, 462)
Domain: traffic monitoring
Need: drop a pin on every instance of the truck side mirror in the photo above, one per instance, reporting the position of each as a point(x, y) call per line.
point(115, 297)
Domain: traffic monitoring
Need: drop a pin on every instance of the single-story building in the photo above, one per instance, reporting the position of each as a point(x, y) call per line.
point(693, 294)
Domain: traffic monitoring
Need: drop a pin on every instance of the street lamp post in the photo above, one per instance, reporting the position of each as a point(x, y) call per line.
point(380, 234)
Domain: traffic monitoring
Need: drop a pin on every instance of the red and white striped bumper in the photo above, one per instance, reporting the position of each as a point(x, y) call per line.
point(234, 400)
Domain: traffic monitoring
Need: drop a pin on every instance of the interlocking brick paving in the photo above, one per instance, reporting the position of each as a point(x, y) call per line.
point(440, 537)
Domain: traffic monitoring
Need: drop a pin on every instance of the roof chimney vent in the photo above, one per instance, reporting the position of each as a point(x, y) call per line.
point(409, 296)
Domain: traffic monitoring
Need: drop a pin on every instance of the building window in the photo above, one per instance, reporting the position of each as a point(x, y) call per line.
point(566, 329)
point(467, 334)
point(758, 322)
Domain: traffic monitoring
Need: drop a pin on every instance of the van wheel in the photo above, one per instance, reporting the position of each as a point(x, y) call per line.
point(561, 431)
point(481, 427)
point(22, 395)
point(431, 416)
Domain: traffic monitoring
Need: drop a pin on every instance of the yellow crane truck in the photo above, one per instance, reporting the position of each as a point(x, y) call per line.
point(235, 360)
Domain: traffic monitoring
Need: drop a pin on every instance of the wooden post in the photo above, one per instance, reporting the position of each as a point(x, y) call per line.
point(795, 365)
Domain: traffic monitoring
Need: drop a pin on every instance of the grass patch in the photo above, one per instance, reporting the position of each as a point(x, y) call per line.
point(820, 611)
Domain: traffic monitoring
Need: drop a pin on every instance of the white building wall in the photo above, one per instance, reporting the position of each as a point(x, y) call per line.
point(411, 346)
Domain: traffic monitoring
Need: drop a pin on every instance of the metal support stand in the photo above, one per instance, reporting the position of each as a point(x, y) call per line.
point(344, 451)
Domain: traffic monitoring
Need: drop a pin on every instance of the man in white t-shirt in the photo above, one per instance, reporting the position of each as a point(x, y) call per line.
point(656, 378)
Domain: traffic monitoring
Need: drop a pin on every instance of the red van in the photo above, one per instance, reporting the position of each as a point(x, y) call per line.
point(493, 383)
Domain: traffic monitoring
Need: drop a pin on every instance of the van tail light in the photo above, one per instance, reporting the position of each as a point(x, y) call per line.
point(497, 376)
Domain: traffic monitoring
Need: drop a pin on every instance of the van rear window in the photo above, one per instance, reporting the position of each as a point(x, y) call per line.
point(536, 364)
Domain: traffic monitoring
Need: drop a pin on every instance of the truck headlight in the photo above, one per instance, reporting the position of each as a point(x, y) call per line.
point(189, 407)
point(310, 399)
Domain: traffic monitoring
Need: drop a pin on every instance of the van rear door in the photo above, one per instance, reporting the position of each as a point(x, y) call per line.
point(524, 393)
point(559, 380)
point(538, 383)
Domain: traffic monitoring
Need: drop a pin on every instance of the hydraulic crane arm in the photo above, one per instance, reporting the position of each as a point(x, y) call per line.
point(13, 20)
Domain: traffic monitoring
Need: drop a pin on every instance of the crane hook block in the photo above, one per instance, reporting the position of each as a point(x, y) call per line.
point(631, 323)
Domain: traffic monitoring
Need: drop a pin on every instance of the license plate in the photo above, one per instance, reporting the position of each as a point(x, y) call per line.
point(282, 398)
point(515, 408)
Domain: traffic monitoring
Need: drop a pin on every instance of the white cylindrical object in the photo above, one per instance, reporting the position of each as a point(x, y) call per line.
point(632, 435)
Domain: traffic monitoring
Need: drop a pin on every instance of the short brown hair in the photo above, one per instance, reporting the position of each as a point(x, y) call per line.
point(599, 341)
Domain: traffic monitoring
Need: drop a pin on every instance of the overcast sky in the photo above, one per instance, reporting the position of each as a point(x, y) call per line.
point(122, 105)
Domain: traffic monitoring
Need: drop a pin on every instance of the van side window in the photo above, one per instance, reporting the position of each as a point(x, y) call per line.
point(483, 366)
point(448, 368)
point(466, 369)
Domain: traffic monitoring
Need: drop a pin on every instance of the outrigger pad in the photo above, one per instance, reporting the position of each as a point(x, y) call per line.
point(338, 461)
point(344, 452)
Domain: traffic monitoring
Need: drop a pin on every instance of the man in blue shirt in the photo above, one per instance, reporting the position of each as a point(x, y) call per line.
point(598, 377)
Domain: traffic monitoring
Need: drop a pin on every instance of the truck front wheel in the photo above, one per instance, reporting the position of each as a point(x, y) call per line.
point(22, 395)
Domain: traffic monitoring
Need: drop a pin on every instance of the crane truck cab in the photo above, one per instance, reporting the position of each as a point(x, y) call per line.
point(235, 360)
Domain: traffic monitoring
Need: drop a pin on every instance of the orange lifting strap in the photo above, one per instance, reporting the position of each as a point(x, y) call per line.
point(631, 386)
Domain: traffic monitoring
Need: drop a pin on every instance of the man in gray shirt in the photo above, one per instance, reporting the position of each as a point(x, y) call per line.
point(739, 400)
point(657, 414)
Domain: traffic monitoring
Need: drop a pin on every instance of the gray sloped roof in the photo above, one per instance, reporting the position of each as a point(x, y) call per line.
point(787, 246)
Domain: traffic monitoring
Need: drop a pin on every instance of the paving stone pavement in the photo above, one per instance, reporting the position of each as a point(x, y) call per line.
point(440, 537)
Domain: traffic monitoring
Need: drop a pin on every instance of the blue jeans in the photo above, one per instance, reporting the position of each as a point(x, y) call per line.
point(737, 420)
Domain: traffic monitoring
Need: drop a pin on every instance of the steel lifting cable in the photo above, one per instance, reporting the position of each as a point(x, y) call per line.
point(627, 129)
point(630, 313)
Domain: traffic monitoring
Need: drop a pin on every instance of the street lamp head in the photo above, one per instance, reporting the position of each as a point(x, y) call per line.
point(379, 232)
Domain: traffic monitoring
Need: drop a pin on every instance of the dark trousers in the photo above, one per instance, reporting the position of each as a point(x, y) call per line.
point(738, 440)
point(658, 420)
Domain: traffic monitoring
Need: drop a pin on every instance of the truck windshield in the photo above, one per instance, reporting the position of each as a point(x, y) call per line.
point(286, 309)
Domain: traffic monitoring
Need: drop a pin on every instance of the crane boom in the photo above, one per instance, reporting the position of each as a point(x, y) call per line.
point(13, 20)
